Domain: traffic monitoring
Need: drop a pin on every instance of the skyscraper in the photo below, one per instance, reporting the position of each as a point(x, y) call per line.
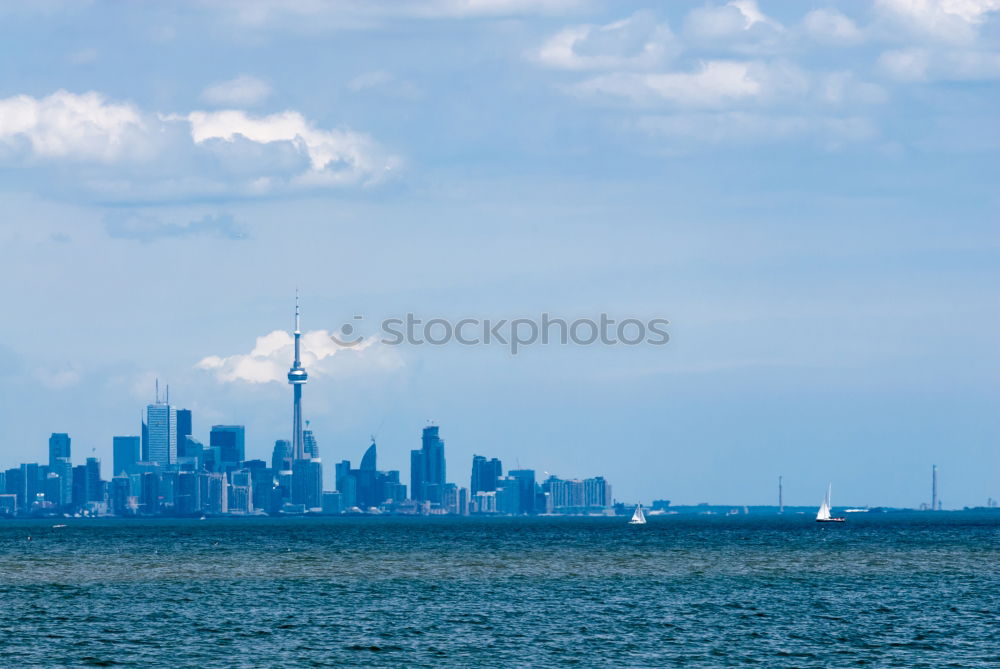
point(307, 483)
point(427, 467)
point(297, 377)
point(281, 457)
point(526, 489)
point(59, 444)
point(63, 469)
point(160, 428)
point(231, 441)
point(126, 454)
point(183, 425)
point(485, 474)
point(309, 443)
point(368, 460)
point(417, 473)
point(93, 485)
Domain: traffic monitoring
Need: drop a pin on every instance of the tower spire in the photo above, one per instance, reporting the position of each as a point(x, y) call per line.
point(297, 377)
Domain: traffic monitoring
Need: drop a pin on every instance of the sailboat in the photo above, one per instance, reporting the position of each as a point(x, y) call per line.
point(823, 515)
point(638, 518)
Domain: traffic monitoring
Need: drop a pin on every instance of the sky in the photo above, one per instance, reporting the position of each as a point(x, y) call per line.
point(807, 191)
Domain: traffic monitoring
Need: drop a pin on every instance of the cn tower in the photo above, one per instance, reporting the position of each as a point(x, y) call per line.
point(297, 377)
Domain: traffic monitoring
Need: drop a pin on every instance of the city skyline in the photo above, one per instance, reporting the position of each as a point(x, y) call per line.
point(167, 436)
point(803, 190)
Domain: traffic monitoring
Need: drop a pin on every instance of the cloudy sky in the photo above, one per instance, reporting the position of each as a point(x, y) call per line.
point(806, 190)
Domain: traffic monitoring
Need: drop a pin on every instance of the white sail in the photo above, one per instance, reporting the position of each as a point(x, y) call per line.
point(824, 508)
point(824, 511)
point(638, 518)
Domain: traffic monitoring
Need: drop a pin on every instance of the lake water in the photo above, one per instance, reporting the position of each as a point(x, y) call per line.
point(893, 590)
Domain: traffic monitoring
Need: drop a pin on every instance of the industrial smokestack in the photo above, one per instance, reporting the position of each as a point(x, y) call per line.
point(934, 499)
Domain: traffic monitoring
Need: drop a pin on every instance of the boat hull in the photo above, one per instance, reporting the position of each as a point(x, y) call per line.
point(831, 520)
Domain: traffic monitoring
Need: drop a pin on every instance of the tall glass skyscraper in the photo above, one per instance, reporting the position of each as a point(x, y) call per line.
point(161, 433)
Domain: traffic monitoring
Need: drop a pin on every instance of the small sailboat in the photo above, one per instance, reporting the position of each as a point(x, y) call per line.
point(823, 515)
point(638, 518)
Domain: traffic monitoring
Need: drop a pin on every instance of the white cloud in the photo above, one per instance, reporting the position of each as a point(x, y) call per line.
point(830, 26)
point(77, 127)
point(738, 19)
point(272, 354)
point(713, 84)
point(334, 156)
point(636, 42)
point(244, 90)
point(948, 20)
point(169, 155)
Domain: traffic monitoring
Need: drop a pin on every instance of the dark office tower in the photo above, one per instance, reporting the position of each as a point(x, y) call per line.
point(347, 484)
point(309, 441)
point(478, 462)
point(189, 447)
point(183, 425)
point(149, 496)
point(58, 446)
point(526, 488)
point(307, 483)
point(433, 447)
point(485, 474)
point(79, 495)
point(94, 485)
point(508, 496)
point(126, 454)
point(417, 473)
point(230, 439)
point(188, 493)
point(281, 457)
point(427, 467)
point(13, 481)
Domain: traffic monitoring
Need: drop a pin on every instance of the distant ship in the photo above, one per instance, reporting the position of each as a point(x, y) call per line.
point(638, 518)
point(823, 515)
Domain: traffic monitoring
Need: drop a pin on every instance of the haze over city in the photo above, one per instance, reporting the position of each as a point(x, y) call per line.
point(805, 191)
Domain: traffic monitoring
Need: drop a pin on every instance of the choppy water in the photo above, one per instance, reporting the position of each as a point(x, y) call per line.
point(916, 590)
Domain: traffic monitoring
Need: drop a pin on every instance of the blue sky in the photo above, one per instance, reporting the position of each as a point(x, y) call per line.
point(806, 190)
